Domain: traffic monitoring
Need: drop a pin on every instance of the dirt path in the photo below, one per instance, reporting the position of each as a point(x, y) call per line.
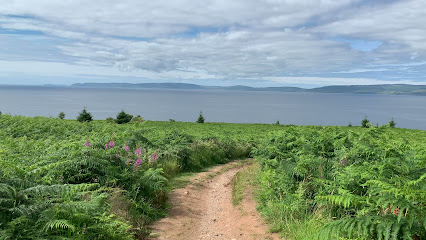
point(204, 210)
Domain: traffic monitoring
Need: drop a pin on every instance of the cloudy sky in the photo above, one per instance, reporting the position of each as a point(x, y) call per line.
point(213, 42)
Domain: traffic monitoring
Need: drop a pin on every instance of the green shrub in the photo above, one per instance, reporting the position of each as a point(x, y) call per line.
point(110, 120)
point(84, 116)
point(123, 117)
point(138, 118)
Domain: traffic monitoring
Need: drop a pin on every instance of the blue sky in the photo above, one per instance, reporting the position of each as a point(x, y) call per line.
point(241, 42)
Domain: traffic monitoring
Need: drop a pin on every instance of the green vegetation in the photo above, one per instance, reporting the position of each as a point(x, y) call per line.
point(392, 123)
point(244, 182)
point(84, 116)
point(344, 183)
point(138, 118)
point(200, 118)
point(97, 180)
point(61, 115)
point(61, 179)
point(365, 123)
point(123, 117)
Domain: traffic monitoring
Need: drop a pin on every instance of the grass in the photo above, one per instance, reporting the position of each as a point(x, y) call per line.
point(244, 179)
point(181, 180)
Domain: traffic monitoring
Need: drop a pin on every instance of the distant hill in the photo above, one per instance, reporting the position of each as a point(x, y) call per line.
point(139, 85)
point(396, 89)
point(374, 89)
point(183, 86)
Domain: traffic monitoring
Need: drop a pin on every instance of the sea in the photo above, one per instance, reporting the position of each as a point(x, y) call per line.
point(326, 109)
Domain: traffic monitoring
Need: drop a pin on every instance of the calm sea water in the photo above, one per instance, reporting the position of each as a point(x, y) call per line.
point(218, 106)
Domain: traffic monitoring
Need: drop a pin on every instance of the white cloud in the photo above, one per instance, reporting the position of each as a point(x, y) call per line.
point(163, 17)
point(397, 23)
point(188, 39)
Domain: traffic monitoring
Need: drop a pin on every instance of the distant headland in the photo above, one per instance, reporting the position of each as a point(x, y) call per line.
point(390, 89)
point(393, 89)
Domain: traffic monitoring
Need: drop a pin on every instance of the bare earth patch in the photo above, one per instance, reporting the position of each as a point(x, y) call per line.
point(204, 210)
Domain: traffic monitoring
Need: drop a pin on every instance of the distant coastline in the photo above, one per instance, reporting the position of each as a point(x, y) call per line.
point(389, 89)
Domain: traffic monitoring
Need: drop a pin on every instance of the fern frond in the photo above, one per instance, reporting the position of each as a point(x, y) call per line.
point(345, 200)
point(60, 224)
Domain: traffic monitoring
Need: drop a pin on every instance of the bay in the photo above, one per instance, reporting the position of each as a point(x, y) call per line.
point(217, 105)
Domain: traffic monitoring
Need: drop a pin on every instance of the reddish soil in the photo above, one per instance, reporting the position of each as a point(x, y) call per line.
point(204, 210)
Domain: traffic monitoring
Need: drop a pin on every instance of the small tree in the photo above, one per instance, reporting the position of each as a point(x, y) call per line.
point(84, 116)
point(392, 123)
point(277, 122)
point(200, 118)
point(123, 117)
point(365, 122)
point(61, 115)
point(350, 124)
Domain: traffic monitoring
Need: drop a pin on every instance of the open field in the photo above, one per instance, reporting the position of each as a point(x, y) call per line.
point(100, 180)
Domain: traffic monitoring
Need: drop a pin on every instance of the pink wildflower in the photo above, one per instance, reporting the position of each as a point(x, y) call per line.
point(106, 146)
point(112, 144)
point(138, 162)
point(138, 152)
point(128, 162)
point(126, 148)
point(154, 157)
point(87, 144)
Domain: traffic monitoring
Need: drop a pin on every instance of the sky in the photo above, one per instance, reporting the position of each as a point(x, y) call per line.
point(304, 43)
